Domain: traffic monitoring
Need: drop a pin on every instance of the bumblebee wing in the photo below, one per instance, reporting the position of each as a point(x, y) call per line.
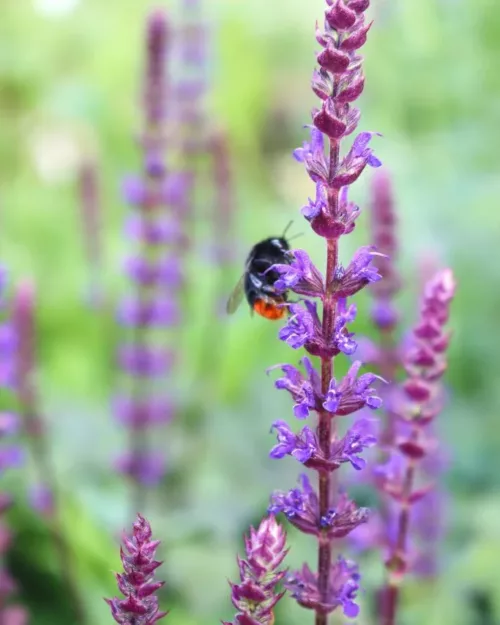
point(236, 296)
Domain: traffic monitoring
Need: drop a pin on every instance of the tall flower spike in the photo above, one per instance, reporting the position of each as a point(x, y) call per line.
point(255, 596)
point(11, 456)
point(155, 274)
point(43, 489)
point(137, 583)
point(417, 407)
point(321, 325)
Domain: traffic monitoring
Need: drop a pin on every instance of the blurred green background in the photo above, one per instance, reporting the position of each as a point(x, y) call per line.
point(69, 78)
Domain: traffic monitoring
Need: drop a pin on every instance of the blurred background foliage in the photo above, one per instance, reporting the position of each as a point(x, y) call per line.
point(69, 90)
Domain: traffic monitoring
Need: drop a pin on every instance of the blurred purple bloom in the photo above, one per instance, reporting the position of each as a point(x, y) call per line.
point(11, 457)
point(163, 231)
point(342, 591)
point(14, 615)
point(41, 499)
point(145, 360)
point(164, 272)
point(158, 312)
point(143, 412)
point(9, 424)
point(146, 468)
point(134, 190)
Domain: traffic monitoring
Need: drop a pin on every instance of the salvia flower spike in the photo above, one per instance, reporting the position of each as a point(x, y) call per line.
point(256, 595)
point(43, 490)
point(136, 583)
point(319, 321)
point(417, 407)
point(155, 274)
point(11, 456)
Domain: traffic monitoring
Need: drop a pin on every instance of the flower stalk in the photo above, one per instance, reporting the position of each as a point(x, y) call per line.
point(418, 405)
point(44, 491)
point(11, 456)
point(155, 275)
point(323, 512)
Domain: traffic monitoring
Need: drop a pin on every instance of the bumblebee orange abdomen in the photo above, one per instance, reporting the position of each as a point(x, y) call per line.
point(269, 310)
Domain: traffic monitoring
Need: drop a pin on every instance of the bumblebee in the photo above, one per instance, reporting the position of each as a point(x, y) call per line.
point(257, 282)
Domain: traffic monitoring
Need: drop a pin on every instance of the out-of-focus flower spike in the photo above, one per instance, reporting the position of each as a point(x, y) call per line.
point(416, 408)
point(10, 456)
point(43, 487)
point(155, 271)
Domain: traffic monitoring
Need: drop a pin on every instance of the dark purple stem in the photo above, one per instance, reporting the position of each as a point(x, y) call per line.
point(326, 425)
point(396, 563)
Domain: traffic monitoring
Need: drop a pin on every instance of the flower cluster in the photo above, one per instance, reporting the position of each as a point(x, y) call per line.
point(403, 478)
point(386, 353)
point(255, 596)
point(154, 272)
point(319, 322)
point(136, 583)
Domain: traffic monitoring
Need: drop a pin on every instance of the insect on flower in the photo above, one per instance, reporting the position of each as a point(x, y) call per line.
point(258, 280)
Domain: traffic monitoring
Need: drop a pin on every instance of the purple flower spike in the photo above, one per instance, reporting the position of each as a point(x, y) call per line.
point(320, 322)
point(404, 478)
point(160, 198)
point(256, 595)
point(137, 583)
